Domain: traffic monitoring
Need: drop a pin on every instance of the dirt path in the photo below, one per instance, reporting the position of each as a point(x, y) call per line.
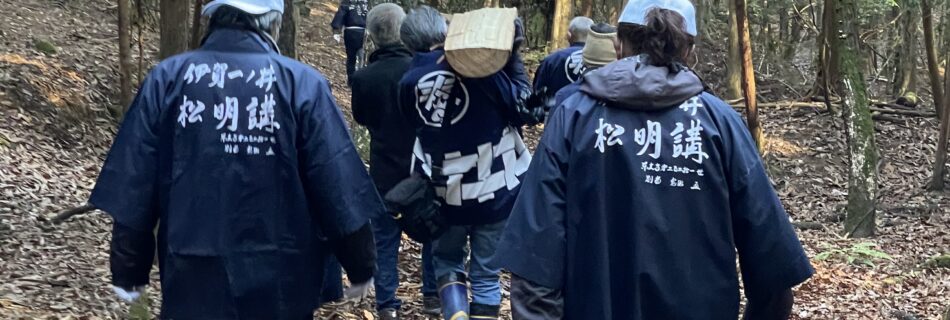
point(56, 132)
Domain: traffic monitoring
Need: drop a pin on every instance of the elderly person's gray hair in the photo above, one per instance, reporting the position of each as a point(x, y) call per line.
point(423, 28)
point(579, 28)
point(383, 23)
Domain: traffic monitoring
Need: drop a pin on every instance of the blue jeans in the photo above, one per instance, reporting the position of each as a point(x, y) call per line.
point(388, 236)
point(451, 250)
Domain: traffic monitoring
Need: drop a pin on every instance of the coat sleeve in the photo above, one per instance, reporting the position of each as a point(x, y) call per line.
point(338, 188)
point(362, 105)
point(770, 255)
point(542, 74)
point(510, 89)
point(339, 19)
point(407, 104)
point(128, 183)
point(131, 254)
point(530, 301)
point(534, 244)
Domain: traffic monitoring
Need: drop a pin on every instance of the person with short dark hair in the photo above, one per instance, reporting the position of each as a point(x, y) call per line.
point(349, 26)
point(564, 66)
point(644, 190)
point(375, 106)
point(242, 160)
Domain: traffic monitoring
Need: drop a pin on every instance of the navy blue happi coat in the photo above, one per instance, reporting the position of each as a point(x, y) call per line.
point(561, 68)
point(351, 13)
point(466, 142)
point(641, 194)
point(242, 159)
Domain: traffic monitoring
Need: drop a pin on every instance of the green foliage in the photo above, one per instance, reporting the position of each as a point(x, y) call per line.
point(858, 254)
point(141, 309)
point(44, 46)
point(941, 261)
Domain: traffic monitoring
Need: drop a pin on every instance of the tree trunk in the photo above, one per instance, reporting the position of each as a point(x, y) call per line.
point(827, 59)
point(615, 12)
point(196, 33)
point(587, 8)
point(944, 133)
point(862, 178)
point(906, 66)
point(784, 37)
point(288, 30)
point(794, 38)
point(933, 63)
point(174, 33)
point(125, 59)
point(562, 17)
point(734, 63)
point(702, 8)
point(748, 73)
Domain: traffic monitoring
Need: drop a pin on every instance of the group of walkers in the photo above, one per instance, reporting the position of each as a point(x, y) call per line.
point(643, 191)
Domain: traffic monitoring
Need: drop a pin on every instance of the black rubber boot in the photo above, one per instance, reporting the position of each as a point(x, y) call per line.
point(453, 293)
point(484, 311)
point(431, 306)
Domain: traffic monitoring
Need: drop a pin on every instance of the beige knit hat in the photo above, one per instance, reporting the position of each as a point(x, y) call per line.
point(599, 49)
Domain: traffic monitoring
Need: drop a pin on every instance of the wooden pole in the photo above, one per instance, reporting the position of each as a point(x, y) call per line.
point(748, 73)
point(71, 212)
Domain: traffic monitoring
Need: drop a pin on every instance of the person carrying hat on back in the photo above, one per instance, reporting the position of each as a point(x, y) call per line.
point(468, 144)
point(242, 160)
point(643, 192)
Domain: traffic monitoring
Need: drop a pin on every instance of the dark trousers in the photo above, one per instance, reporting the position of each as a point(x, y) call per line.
point(332, 281)
point(353, 41)
point(388, 237)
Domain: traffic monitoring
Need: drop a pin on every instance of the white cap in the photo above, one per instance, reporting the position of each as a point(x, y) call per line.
point(636, 12)
point(254, 7)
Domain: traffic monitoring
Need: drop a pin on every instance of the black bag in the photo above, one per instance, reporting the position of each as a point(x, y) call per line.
point(417, 209)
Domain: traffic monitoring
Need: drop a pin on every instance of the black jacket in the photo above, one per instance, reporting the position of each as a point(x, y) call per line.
point(375, 105)
point(352, 13)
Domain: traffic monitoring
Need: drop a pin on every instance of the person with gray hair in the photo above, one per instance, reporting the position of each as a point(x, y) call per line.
point(564, 66)
point(383, 23)
point(469, 148)
point(375, 106)
point(423, 29)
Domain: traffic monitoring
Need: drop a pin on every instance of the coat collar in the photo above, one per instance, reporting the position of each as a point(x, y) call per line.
point(237, 40)
point(390, 51)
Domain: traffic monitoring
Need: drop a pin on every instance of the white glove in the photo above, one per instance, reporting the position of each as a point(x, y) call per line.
point(129, 296)
point(358, 291)
point(337, 37)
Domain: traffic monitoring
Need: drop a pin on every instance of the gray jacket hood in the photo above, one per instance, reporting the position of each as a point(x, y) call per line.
point(632, 83)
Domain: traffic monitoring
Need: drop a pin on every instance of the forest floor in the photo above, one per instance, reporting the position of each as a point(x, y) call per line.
point(57, 130)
